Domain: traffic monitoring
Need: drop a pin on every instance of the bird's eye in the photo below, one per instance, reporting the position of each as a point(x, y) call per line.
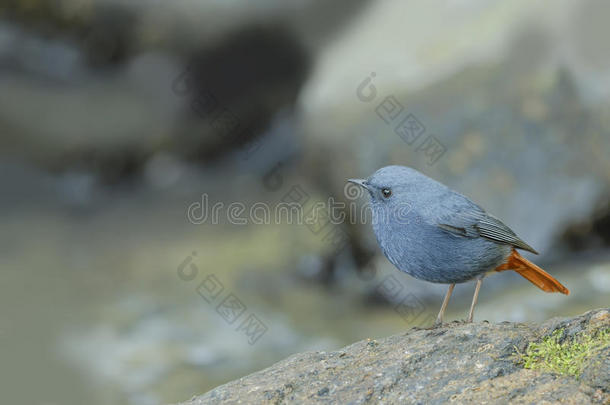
point(386, 192)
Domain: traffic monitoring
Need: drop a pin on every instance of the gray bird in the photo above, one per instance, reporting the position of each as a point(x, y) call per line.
point(436, 234)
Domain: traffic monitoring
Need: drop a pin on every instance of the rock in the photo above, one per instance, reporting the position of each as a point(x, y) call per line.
point(458, 362)
point(70, 63)
point(597, 371)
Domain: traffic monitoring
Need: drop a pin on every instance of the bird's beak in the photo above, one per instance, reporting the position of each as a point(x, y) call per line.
point(361, 182)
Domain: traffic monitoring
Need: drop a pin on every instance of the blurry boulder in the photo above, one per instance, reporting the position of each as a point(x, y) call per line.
point(236, 88)
point(88, 84)
point(515, 136)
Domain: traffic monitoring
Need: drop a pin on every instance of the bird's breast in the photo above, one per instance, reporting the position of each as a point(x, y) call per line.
point(429, 253)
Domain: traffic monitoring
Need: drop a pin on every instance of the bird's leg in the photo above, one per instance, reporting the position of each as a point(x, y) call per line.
point(474, 299)
point(439, 318)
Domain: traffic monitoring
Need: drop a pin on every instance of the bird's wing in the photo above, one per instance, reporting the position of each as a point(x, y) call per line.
point(472, 221)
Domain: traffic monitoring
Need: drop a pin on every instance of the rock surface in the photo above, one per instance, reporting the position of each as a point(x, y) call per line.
point(460, 363)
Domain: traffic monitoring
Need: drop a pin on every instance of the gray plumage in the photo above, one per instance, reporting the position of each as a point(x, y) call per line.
point(432, 232)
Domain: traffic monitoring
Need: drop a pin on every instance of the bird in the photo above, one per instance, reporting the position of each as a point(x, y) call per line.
point(436, 234)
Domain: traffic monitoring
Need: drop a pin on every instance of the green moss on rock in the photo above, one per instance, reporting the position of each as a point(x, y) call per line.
point(565, 356)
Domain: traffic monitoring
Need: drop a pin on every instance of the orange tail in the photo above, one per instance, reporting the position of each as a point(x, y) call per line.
point(533, 273)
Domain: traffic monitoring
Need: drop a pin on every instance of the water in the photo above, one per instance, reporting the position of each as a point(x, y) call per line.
point(94, 311)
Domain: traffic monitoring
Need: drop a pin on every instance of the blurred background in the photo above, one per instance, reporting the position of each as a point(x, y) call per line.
point(123, 122)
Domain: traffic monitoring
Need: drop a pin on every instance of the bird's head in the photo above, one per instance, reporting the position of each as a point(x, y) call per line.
point(392, 190)
point(390, 184)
